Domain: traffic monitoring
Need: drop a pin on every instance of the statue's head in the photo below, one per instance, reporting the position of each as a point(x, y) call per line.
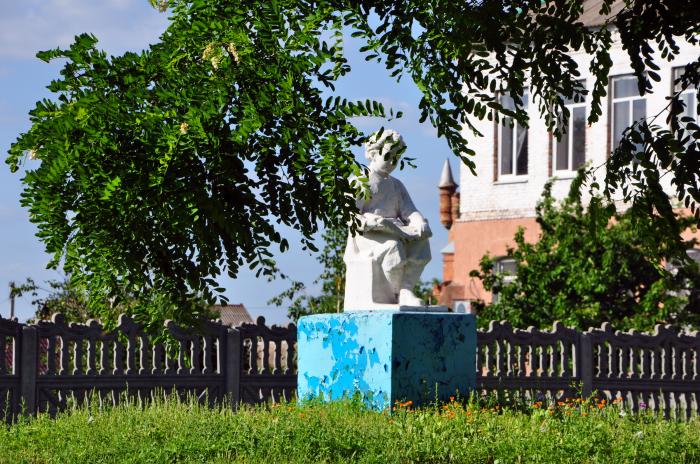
point(384, 150)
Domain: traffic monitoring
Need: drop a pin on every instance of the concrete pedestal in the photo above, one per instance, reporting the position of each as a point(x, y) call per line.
point(386, 356)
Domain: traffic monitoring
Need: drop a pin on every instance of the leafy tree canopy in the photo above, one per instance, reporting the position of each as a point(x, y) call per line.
point(591, 265)
point(162, 169)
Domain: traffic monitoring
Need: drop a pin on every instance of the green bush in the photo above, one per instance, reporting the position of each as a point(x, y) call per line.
point(345, 432)
point(593, 264)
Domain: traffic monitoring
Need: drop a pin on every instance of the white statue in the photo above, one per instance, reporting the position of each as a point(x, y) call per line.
point(385, 259)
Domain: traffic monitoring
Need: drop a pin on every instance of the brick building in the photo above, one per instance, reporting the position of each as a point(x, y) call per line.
point(513, 163)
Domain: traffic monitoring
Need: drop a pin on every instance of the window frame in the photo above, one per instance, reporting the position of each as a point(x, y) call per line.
point(508, 279)
point(516, 128)
point(675, 74)
point(630, 109)
point(571, 106)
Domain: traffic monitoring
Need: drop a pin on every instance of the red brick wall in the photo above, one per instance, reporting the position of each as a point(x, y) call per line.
point(472, 240)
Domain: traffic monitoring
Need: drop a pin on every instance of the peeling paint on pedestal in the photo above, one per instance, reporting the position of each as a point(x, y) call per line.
point(386, 356)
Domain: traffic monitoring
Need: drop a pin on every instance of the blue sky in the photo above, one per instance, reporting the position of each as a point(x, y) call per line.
point(32, 25)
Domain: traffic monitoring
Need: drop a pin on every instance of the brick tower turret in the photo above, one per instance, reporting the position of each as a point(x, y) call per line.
point(449, 199)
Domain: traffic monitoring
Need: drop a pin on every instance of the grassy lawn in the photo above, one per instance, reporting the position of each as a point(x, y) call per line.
point(168, 431)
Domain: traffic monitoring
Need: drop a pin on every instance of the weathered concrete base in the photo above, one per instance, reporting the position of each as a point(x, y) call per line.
point(386, 356)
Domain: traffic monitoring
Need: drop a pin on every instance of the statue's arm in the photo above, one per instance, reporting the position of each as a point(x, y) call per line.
point(370, 222)
point(417, 225)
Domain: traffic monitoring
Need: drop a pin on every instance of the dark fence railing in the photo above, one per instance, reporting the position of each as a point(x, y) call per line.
point(50, 364)
point(658, 371)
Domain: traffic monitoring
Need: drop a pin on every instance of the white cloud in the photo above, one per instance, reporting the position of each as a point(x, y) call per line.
point(29, 26)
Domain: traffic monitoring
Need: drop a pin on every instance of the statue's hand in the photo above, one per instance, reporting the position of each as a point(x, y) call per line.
point(424, 230)
point(372, 222)
point(419, 227)
point(375, 223)
point(397, 231)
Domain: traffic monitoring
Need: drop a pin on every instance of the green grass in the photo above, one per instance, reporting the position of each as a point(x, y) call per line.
point(168, 431)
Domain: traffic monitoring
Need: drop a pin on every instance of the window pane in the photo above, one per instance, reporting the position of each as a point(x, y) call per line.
point(639, 110)
point(677, 73)
point(506, 266)
point(689, 99)
point(694, 254)
point(563, 153)
point(510, 267)
point(507, 102)
point(621, 121)
point(521, 154)
point(506, 146)
point(692, 105)
point(625, 87)
point(578, 144)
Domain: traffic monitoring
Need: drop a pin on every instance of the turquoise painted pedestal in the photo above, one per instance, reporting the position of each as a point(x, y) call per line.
point(386, 356)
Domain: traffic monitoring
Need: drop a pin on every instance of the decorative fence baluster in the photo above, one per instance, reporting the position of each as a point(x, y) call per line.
point(657, 380)
point(11, 380)
point(636, 367)
point(261, 382)
point(4, 361)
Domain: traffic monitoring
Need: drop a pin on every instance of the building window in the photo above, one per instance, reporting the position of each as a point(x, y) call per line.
point(688, 96)
point(512, 141)
point(508, 268)
point(570, 152)
point(628, 106)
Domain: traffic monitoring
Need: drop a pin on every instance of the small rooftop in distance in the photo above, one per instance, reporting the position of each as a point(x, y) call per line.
point(232, 315)
point(446, 179)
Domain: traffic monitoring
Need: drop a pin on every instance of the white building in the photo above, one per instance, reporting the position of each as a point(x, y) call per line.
point(513, 163)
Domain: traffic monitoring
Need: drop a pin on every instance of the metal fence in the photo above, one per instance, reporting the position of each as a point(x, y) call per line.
point(50, 364)
point(658, 371)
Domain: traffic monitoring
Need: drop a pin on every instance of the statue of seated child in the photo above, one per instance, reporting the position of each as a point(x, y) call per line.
point(386, 257)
